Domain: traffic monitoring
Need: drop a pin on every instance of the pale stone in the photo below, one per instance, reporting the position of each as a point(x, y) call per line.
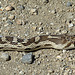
point(11, 17)
point(34, 11)
point(19, 22)
point(9, 8)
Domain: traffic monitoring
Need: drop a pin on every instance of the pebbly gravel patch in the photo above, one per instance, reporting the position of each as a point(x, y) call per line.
point(28, 18)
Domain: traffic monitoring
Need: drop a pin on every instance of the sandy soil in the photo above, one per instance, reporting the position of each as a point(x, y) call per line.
point(37, 17)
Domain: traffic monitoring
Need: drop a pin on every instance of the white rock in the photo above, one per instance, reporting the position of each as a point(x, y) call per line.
point(58, 57)
point(70, 25)
point(52, 23)
point(64, 51)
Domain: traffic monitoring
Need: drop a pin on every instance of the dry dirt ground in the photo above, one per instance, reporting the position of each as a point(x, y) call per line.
point(37, 17)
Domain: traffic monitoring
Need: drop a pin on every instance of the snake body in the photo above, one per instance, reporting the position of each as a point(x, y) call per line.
point(58, 42)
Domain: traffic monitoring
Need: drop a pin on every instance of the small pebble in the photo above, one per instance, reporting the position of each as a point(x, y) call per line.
point(69, 4)
point(21, 7)
point(58, 30)
point(1, 8)
point(68, 21)
point(19, 21)
point(70, 25)
point(50, 71)
point(47, 33)
point(40, 23)
point(64, 31)
point(6, 25)
point(9, 22)
point(21, 73)
point(45, 1)
point(9, 8)
point(53, 11)
point(64, 51)
point(5, 56)
point(39, 62)
point(11, 17)
point(52, 23)
point(4, 18)
point(34, 11)
point(27, 58)
point(58, 57)
point(34, 28)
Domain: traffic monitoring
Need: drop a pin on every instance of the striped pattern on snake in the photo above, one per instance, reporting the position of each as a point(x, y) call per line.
point(58, 42)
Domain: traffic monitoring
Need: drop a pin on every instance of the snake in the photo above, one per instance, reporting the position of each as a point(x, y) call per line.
point(58, 42)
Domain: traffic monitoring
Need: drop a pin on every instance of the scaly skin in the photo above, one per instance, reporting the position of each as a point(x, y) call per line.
point(58, 42)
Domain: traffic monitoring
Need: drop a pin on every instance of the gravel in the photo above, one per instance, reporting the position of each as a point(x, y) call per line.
point(9, 8)
point(11, 17)
point(32, 18)
point(19, 21)
point(9, 22)
point(71, 25)
point(21, 7)
point(5, 56)
point(69, 4)
point(27, 58)
point(34, 11)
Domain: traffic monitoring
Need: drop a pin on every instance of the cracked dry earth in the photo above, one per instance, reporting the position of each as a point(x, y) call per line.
point(29, 18)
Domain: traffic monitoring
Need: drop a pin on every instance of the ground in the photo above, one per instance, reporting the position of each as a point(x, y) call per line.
point(36, 17)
